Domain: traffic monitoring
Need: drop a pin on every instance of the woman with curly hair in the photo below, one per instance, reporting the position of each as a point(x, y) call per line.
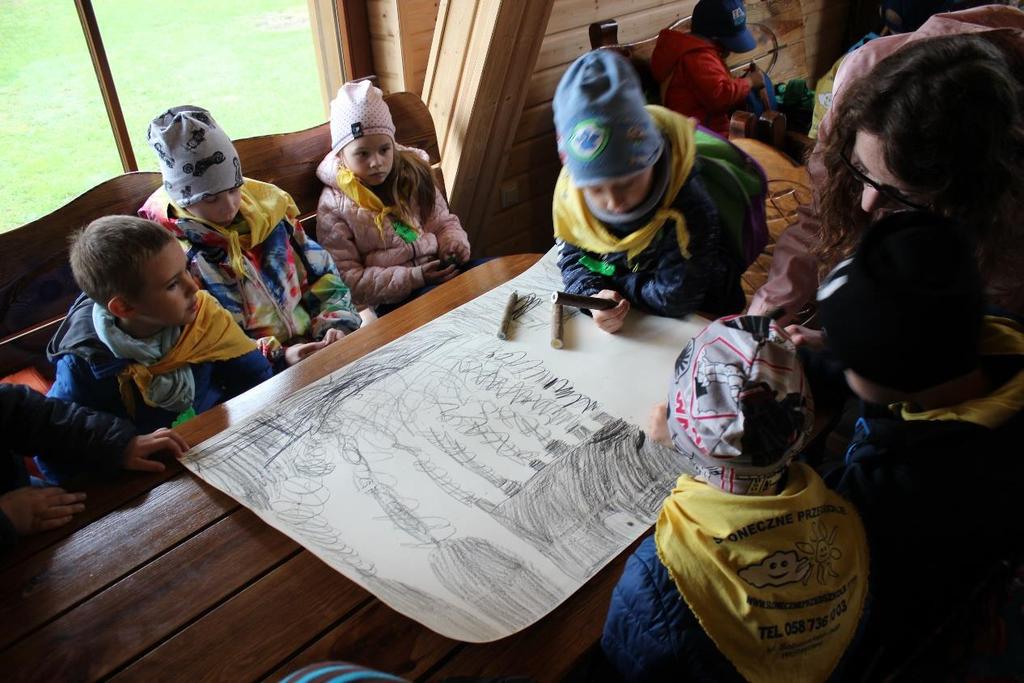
point(929, 120)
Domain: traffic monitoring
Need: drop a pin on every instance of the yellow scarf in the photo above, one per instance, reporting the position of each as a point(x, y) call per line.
point(575, 224)
point(262, 208)
point(366, 198)
point(777, 582)
point(999, 337)
point(212, 336)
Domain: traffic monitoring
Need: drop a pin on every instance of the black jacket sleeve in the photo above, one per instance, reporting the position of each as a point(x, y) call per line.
point(60, 431)
point(577, 278)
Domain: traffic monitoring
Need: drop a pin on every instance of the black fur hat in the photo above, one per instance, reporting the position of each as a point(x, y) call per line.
point(905, 312)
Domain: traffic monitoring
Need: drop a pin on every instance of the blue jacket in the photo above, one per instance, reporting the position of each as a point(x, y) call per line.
point(662, 281)
point(32, 423)
point(650, 633)
point(87, 374)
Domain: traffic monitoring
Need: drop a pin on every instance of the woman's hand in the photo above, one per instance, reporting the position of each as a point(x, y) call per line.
point(806, 337)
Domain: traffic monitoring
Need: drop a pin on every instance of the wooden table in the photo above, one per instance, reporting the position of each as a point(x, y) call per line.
point(164, 577)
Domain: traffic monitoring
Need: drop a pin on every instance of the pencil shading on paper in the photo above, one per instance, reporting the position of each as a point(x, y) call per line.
point(470, 483)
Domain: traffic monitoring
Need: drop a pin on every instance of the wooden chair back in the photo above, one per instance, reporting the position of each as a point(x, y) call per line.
point(36, 286)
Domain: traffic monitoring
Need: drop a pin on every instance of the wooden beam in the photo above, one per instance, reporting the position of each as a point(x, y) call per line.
point(87, 17)
point(481, 60)
point(400, 35)
point(327, 45)
point(354, 27)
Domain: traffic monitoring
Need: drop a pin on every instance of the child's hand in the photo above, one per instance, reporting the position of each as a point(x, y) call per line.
point(333, 335)
point(806, 337)
point(756, 78)
point(611, 320)
point(145, 446)
point(434, 274)
point(299, 352)
point(657, 425)
point(33, 509)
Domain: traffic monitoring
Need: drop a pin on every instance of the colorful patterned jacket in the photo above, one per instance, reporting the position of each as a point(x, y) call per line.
point(281, 287)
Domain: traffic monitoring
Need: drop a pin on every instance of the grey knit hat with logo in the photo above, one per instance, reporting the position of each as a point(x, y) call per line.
point(197, 158)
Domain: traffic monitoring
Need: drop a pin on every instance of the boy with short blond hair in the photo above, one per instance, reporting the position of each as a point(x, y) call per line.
point(144, 342)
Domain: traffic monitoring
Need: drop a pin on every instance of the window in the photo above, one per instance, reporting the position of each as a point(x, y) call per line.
point(260, 66)
point(55, 141)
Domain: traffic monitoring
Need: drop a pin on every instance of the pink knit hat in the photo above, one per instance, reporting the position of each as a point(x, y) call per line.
point(358, 110)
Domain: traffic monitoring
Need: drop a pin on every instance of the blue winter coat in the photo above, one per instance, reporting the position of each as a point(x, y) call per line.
point(87, 374)
point(940, 502)
point(650, 633)
point(660, 280)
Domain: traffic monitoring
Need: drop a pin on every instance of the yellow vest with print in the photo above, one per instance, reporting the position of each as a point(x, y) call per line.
point(777, 582)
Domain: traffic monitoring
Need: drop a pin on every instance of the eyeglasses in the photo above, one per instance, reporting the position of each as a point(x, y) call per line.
point(890, 193)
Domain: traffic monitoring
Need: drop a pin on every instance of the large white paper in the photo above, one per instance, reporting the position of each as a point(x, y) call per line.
point(470, 483)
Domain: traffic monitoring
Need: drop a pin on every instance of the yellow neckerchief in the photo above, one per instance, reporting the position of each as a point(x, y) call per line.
point(999, 337)
point(777, 582)
point(262, 208)
point(212, 336)
point(575, 224)
point(366, 198)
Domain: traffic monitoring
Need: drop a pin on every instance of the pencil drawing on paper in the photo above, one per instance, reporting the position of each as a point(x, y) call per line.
point(464, 480)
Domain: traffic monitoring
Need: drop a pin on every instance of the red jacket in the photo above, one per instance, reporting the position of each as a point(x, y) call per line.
point(701, 85)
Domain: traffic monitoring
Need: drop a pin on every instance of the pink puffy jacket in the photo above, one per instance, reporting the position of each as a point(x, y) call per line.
point(380, 271)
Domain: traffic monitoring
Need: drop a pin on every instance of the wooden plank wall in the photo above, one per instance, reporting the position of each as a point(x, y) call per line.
point(482, 60)
point(400, 35)
point(520, 219)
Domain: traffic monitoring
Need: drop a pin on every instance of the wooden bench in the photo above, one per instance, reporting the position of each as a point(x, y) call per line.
point(36, 286)
point(770, 128)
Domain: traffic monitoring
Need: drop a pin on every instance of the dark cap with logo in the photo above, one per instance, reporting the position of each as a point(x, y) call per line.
point(724, 21)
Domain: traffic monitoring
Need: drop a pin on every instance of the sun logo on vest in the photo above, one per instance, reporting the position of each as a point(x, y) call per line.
point(587, 139)
point(821, 551)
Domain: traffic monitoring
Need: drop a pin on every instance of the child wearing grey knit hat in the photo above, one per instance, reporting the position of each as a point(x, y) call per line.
point(247, 245)
point(632, 217)
point(197, 158)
